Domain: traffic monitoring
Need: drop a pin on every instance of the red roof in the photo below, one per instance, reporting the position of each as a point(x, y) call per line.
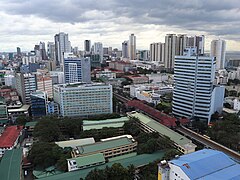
point(162, 117)
point(9, 136)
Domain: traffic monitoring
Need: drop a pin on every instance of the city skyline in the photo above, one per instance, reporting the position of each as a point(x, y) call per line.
point(111, 22)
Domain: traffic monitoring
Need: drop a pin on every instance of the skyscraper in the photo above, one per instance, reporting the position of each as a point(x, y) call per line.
point(132, 47)
point(62, 45)
point(125, 49)
point(19, 54)
point(170, 50)
point(196, 42)
point(218, 50)
point(98, 49)
point(77, 70)
point(51, 50)
point(87, 46)
point(42, 50)
point(194, 93)
point(181, 44)
point(157, 51)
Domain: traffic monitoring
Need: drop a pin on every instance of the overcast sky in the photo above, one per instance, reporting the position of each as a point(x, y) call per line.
point(25, 23)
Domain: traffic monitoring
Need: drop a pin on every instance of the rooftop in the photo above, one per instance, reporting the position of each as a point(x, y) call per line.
point(31, 123)
point(9, 136)
point(175, 137)
point(75, 142)
point(137, 161)
point(80, 84)
point(10, 166)
point(104, 145)
point(208, 164)
point(22, 109)
point(87, 160)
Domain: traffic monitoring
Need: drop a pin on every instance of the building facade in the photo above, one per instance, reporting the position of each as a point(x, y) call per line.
point(170, 50)
point(132, 47)
point(98, 49)
point(218, 50)
point(77, 70)
point(85, 100)
point(44, 84)
point(195, 94)
point(39, 104)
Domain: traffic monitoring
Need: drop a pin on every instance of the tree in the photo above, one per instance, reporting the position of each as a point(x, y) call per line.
point(170, 154)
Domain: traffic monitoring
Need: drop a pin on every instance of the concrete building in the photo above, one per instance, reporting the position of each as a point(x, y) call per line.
point(45, 84)
point(51, 50)
point(125, 49)
point(87, 46)
point(39, 104)
point(132, 47)
point(10, 80)
point(98, 49)
point(181, 44)
point(195, 94)
point(57, 77)
point(121, 66)
point(52, 108)
point(218, 50)
point(196, 42)
point(25, 85)
point(77, 70)
point(205, 164)
point(3, 111)
point(62, 45)
point(78, 99)
point(170, 50)
point(157, 52)
point(106, 74)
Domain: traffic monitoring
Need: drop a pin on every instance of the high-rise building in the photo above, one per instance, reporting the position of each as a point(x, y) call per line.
point(25, 85)
point(132, 47)
point(62, 45)
point(125, 49)
point(87, 46)
point(170, 50)
point(85, 100)
point(38, 104)
point(194, 94)
point(218, 50)
point(51, 50)
point(181, 44)
point(42, 50)
point(44, 84)
point(157, 51)
point(77, 69)
point(98, 49)
point(19, 54)
point(196, 42)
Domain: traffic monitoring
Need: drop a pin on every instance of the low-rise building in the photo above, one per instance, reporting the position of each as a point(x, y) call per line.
point(121, 65)
point(110, 148)
point(75, 142)
point(3, 111)
point(205, 164)
point(138, 79)
point(9, 138)
point(14, 112)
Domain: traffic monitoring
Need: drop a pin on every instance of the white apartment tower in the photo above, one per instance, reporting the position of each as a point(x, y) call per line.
point(218, 50)
point(98, 49)
point(170, 50)
point(62, 45)
point(195, 94)
point(196, 42)
point(157, 51)
point(132, 47)
point(181, 44)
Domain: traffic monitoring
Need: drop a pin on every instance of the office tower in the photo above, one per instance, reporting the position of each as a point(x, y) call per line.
point(170, 50)
point(77, 70)
point(87, 46)
point(218, 50)
point(181, 44)
point(194, 94)
point(39, 104)
point(132, 47)
point(62, 45)
point(19, 54)
point(51, 50)
point(85, 100)
point(196, 42)
point(125, 49)
point(94, 59)
point(25, 85)
point(44, 84)
point(105, 51)
point(157, 51)
point(42, 50)
point(98, 49)
point(110, 51)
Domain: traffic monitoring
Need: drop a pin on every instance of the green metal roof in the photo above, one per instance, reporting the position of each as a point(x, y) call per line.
point(31, 123)
point(137, 161)
point(10, 166)
point(104, 145)
point(75, 142)
point(175, 137)
point(88, 160)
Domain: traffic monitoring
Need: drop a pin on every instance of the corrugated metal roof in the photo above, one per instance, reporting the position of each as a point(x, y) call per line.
point(75, 142)
point(207, 164)
point(10, 164)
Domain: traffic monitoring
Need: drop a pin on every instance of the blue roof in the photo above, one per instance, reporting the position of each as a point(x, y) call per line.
point(208, 164)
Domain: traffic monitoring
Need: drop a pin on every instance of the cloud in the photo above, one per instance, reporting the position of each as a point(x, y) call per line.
point(113, 20)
